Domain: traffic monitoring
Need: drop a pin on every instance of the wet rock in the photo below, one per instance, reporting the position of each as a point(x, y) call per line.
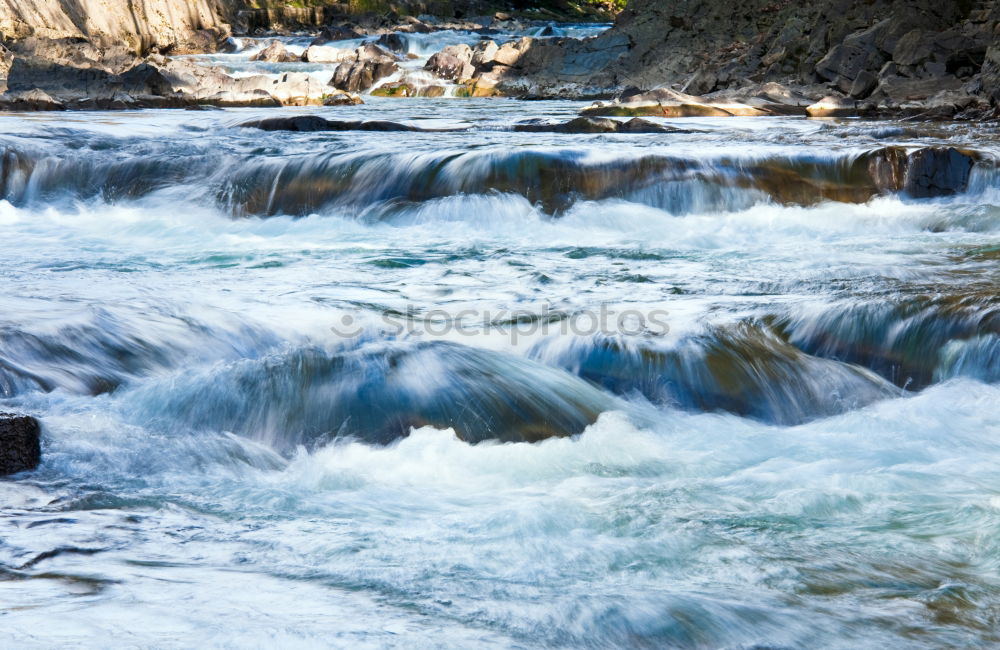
point(937, 171)
point(928, 172)
point(360, 72)
point(20, 447)
point(319, 396)
point(342, 99)
point(745, 369)
point(393, 42)
point(309, 123)
point(275, 53)
point(887, 169)
point(405, 89)
point(595, 125)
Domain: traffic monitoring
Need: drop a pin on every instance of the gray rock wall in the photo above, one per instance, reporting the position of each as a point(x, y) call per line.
point(141, 24)
point(891, 51)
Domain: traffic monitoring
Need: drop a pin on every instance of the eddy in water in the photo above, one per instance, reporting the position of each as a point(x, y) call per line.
point(447, 369)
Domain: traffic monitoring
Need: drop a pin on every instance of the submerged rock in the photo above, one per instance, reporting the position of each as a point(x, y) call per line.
point(744, 369)
point(20, 447)
point(306, 123)
point(311, 397)
point(596, 125)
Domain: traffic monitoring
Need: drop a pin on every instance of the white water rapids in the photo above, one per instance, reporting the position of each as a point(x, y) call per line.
point(237, 451)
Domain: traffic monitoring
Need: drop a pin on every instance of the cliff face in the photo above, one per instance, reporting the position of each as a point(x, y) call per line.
point(142, 24)
point(886, 49)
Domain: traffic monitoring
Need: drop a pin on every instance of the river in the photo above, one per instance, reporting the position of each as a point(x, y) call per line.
point(285, 381)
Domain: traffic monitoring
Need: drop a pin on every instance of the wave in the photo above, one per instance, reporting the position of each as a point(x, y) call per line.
point(904, 340)
point(377, 393)
point(98, 351)
point(743, 369)
point(553, 180)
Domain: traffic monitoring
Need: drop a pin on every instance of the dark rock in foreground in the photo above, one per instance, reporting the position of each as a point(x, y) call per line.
point(20, 449)
point(308, 123)
point(596, 125)
point(925, 173)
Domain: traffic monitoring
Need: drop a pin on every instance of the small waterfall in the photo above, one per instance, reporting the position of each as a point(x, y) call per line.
point(554, 180)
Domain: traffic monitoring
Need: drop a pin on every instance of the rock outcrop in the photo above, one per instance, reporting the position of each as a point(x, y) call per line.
point(890, 56)
point(67, 80)
point(20, 448)
point(175, 25)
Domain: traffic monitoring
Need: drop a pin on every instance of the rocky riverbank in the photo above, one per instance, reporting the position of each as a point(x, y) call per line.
point(836, 58)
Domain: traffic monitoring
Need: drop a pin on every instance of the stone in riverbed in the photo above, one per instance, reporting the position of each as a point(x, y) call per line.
point(452, 63)
point(275, 53)
point(367, 65)
point(403, 89)
point(342, 99)
point(832, 106)
point(928, 172)
point(20, 448)
point(393, 42)
point(595, 125)
point(664, 102)
point(937, 171)
point(312, 123)
point(325, 54)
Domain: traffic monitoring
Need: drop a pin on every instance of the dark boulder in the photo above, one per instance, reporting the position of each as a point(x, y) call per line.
point(393, 42)
point(937, 171)
point(595, 125)
point(311, 123)
point(925, 173)
point(20, 448)
point(369, 64)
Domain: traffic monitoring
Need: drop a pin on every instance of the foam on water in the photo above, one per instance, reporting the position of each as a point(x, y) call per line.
point(215, 438)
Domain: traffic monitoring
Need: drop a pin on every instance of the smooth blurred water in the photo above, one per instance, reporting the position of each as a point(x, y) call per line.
point(809, 457)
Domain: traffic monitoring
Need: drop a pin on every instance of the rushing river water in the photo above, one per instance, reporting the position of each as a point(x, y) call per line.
point(260, 360)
